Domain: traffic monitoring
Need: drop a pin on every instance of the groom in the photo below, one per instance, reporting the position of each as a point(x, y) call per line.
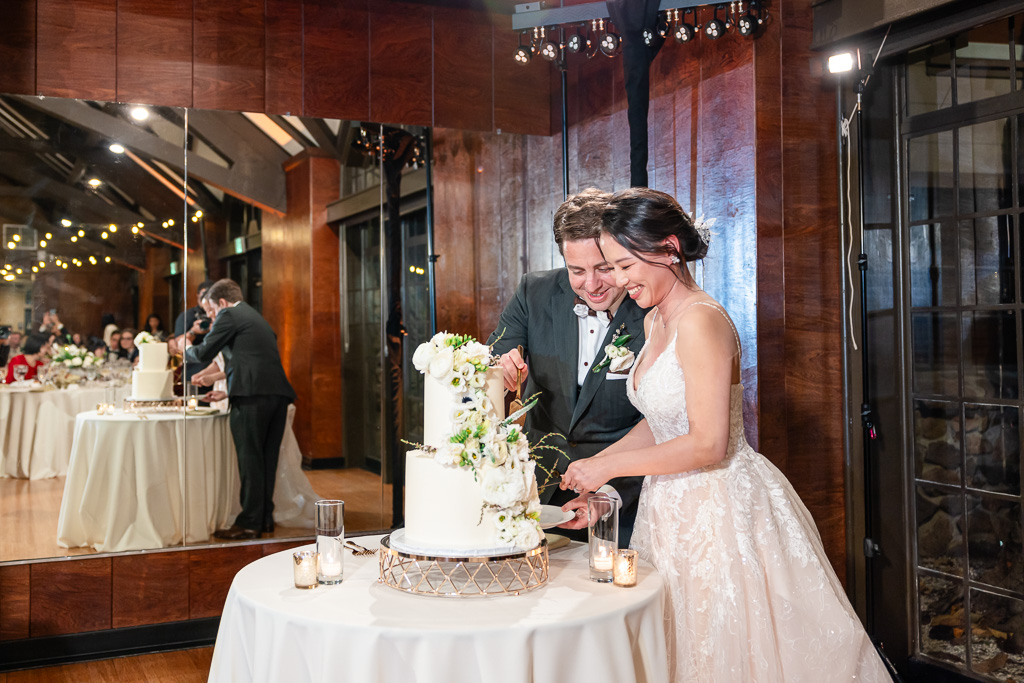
point(563, 319)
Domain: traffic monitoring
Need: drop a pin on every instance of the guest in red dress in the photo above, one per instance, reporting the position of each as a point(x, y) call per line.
point(31, 356)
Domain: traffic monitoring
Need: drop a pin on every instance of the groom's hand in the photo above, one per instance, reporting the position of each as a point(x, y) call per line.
point(514, 369)
point(579, 505)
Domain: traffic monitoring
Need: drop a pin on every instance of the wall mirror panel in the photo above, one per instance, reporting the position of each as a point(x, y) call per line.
point(92, 207)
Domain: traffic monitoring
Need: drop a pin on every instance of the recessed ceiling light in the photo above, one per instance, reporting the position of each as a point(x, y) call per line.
point(116, 148)
point(95, 182)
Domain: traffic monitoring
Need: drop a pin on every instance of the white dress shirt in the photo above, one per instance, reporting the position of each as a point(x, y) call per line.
point(593, 329)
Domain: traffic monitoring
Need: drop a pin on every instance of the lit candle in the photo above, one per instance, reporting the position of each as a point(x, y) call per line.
point(330, 568)
point(624, 571)
point(603, 563)
point(305, 568)
point(193, 403)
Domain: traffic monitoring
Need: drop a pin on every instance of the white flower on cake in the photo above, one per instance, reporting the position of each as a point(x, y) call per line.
point(144, 338)
point(503, 487)
point(441, 363)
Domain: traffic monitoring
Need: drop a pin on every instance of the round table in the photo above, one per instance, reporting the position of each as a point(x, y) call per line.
point(124, 486)
point(37, 425)
point(573, 629)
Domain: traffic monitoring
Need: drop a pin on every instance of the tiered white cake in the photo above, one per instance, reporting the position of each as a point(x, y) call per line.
point(480, 495)
point(151, 380)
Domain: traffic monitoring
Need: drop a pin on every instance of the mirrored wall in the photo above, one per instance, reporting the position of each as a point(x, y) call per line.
point(114, 217)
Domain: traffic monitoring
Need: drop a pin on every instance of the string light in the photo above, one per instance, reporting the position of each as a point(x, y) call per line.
point(170, 221)
point(65, 222)
point(42, 243)
point(106, 259)
point(16, 237)
point(113, 228)
point(35, 269)
point(49, 235)
point(92, 260)
point(135, 230)
point(199, 213)
point(81, 233)
point(64, 265)
point(104, 235)
point(11, 245)
point(74, 238)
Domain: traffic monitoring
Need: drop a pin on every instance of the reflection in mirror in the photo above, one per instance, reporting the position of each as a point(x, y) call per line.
point(292, 213)
point(91, 200)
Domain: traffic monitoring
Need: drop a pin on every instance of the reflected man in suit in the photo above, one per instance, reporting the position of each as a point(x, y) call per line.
point(260, 394)
point(563, 319)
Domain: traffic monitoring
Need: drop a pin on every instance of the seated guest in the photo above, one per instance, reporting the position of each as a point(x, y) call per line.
point(114, 345)
point(11, 347)
point(77, 340)
point(155, 326)
point(98, 347)
point(128, 350)
point(36, 347)
point(108, 327)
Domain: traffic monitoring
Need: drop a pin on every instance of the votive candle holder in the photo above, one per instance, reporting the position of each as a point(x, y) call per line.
point(624, 568)
point(305, 566)
point(330, 537)
point(603, 534)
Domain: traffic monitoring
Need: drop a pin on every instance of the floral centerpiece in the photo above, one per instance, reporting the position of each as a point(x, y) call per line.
point(496, 451)
point(72, 356)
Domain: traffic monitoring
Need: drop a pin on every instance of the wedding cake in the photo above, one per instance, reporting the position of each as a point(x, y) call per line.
point(471, 487)
point(151, 380)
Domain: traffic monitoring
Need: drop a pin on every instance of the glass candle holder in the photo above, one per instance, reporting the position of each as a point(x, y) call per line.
point(305, 562)
point(624, 568)
point(603, 532)
point(330, 539)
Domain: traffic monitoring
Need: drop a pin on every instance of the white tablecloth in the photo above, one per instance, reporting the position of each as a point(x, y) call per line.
point(36, 427)
point(573, 629)
point(124, 485)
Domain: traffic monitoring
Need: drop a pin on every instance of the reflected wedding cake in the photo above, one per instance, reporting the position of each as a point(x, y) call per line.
point(151, 380)
point(470, 488)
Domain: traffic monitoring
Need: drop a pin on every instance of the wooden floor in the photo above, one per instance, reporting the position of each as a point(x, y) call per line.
point(29, 511)
point(182, 666)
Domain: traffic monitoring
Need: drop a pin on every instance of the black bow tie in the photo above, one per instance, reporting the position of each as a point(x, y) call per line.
point(583, 310)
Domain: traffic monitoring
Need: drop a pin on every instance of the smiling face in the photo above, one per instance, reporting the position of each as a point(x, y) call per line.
point(646, 283)
point(590, 276)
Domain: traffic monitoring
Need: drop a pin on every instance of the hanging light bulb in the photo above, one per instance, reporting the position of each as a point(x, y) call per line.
point(65, 222)
point(42, 243)
point(106, 259)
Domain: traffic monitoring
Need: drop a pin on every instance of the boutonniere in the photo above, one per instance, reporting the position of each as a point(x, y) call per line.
point(617, 357)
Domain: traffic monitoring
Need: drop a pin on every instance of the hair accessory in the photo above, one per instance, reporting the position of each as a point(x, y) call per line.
point(703, 227)
point(674, 259)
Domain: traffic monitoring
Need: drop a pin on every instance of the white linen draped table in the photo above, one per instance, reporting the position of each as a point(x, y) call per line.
point(124, 485)
point(37, 426)
point(572, 629)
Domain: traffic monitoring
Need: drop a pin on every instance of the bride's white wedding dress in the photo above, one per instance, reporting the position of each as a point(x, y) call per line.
point(751, 595)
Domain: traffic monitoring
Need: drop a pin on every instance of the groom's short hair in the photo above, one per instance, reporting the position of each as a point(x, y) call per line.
point(579, 216)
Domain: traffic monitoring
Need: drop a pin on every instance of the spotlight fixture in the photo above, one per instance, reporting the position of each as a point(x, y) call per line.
point(715, 28)
point(94, 182)
point(549, 49)
point(841, 63)
point(116, 148)
point(648, 37)
point(578, 43)
point(523, 53)
point(139, 113)
point(610, 42)
point(685, 32)
point(662, 26)
point(65, 222)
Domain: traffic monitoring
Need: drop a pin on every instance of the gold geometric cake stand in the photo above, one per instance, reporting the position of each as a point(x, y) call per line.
point(463, 577)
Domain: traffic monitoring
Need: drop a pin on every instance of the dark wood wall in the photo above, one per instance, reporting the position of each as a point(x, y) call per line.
point(383, 61)
point(83, 295)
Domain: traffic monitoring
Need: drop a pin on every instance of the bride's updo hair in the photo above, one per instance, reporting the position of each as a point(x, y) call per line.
point(641, 219)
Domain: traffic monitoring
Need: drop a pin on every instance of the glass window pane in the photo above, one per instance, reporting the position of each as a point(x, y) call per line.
point(930, 164)
point(934, 339)
point(994, 541)
point(996, 625)
point(933, 265)
point(987, 261)
point(940, 529)
point(985, 183)
point(992, 441)
point(937, 441)
point(941, 605)
point(990, 354)
point(983, 62)
point(929, 86)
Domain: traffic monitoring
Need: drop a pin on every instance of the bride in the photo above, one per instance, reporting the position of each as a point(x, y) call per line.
point(751, 593)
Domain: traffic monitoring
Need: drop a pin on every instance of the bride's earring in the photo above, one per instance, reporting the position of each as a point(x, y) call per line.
point(674, 259)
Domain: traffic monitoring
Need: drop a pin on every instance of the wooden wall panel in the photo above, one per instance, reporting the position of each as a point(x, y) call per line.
point(522, 94)
point(82, 34)
point(70, 597)
point(463, 70)
point(210, 574)
point(400, 64)
point(337, 62)
point(17, 47)
point(154, 51)
point(228, 52)
point(81, 298)
point(151, 588)
point(285, 59)
point(14, 602)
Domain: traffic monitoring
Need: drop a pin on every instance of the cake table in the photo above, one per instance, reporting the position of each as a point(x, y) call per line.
point(573, 629)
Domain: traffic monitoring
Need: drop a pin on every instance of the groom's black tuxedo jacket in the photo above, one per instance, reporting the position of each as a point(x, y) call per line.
point(540, 318)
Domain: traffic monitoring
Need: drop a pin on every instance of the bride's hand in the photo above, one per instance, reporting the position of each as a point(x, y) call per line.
point(588, 474)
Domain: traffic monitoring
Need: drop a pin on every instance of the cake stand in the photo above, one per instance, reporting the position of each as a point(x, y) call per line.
point(466, 576)
point(163, 405)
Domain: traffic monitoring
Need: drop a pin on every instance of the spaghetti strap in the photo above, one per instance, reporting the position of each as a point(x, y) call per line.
point(725, 315)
